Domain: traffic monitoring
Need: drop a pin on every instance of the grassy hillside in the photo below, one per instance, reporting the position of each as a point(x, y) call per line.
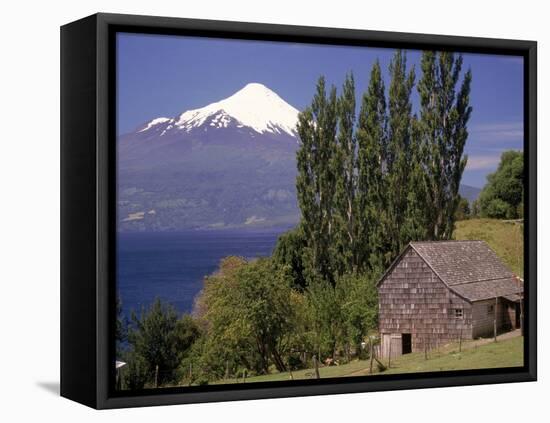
point(505, 353)
point(505, 237)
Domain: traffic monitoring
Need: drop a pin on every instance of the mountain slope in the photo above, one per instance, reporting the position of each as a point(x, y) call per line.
point(469, 193)
point(255, 107)
point(226, 165)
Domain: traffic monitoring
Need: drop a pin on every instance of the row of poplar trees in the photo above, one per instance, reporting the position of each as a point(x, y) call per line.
point(370, 183)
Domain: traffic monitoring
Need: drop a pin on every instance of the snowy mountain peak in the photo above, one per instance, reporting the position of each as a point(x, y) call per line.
point(255, 91)
point(254, 106)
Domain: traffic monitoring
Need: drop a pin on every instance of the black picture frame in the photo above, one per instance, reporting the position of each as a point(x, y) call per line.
point(88, 201)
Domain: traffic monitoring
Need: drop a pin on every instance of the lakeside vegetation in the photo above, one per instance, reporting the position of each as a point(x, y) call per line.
point(367, 185)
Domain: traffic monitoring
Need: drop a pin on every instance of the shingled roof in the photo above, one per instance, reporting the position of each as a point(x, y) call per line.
point(459, 262)
point(469, 268)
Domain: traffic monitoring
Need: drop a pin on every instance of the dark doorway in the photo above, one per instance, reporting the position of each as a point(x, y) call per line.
point(406, 343)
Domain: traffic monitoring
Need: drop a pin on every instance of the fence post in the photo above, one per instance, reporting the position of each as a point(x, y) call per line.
point(316, 366)
point(495, 319)
point(371, 354)
point(389, 353)
point(521, 313)
point(289, 367)
point(425, 350)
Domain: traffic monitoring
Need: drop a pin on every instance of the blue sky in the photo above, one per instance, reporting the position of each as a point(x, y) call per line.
point(162, 75)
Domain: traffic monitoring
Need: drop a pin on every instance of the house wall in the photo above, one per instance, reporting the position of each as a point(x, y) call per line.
point(510, 315)
point(483, 318)
point(412, 299)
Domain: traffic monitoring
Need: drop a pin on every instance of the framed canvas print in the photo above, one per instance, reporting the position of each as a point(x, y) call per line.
point(255, 211)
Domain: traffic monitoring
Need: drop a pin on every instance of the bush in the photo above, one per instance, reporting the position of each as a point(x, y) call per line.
point(159, 338)
point(502, 197)
point(463, 210)
point(135, 374)
point(289, 253)
point(245, 310)
point(498, 209)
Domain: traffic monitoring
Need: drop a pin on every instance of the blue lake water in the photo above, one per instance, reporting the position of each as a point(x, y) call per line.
point(171, 266)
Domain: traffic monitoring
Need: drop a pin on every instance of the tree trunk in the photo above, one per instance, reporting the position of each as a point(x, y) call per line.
point(262, 350)
point(279, 364)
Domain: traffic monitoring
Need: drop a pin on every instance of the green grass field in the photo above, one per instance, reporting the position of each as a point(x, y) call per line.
point(507, 353)
point(505, 237)
point(324, 372)
point(504, 353)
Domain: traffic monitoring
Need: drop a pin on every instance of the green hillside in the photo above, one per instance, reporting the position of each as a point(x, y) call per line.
point(505, 237)
point(507, 352)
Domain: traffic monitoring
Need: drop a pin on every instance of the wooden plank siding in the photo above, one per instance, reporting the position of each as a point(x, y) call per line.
point(483, 313)
point(413, 299)
point(483, 318)
point(511, 321)
point(396, 344)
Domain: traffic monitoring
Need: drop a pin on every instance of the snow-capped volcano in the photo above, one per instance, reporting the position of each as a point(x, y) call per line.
point(254, 106)
point(230, 164)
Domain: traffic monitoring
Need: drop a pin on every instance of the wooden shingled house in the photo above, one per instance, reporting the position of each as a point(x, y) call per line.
point(442, 291)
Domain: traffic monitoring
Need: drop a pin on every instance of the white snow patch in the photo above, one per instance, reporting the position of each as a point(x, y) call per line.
point(155, 122)
point(167, 129)
point(255, 106)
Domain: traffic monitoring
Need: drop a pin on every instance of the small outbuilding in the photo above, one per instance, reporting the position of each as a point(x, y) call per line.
point(443, 291)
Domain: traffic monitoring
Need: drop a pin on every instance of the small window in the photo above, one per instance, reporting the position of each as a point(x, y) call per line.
point(490, 309)
point(458, 313)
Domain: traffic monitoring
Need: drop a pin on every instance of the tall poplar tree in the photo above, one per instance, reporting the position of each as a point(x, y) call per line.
point(371, 198)
point(415, 221)
point(315, 183)
point(346, 181)
point(399, 153)
point(444, 114)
